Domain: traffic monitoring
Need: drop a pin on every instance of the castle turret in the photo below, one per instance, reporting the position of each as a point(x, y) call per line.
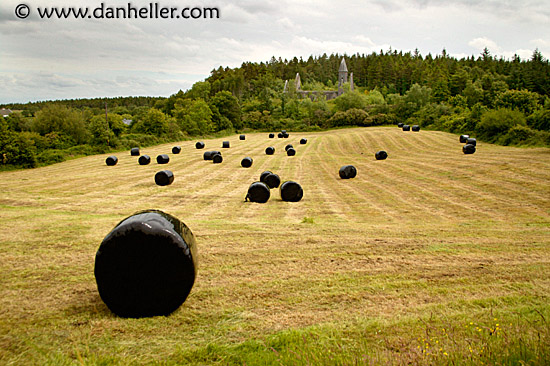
point(342, 76)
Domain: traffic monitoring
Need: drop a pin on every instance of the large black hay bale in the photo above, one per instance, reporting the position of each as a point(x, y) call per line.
point(381, 155)
point(415, 128)
point(111, 160)
point(199, 145)
point(146, 266)
point(217, 158)
point(285, 135)
point(144, 160)
point(258, 192)
point(265, 174)
point(164, 178)
point(270, 150)
point(271, 135)
point(163, 159)
point(176, 150)
point(291, 152)
point(246, 162)
point(469, 149)
point(242, 137)
point(291, 191)
point(406, 128)
point(208, 155)
point(134, 151)
point(463, 138)
point(289, 146)
point(400, 124)
point(303, 141)
point(471, 141)
point(272, 180)
point(280, 135)
point(225, 144)
point(347, 172)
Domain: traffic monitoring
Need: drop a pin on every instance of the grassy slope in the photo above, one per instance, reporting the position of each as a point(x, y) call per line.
point(415, 260)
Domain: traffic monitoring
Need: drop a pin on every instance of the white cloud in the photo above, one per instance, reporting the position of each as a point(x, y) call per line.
point(482, 42)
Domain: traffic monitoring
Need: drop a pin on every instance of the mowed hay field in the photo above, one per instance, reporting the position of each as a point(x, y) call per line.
point(428, 257)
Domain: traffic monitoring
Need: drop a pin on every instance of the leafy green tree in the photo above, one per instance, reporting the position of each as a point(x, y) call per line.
point(497, 122)
point(16, 148)
point(154, 122)
point(353, 99)
point(194, 117)
point(62, 120)
point(540, 120)
point(522, 100)
point(199, 90)
point(228, 107)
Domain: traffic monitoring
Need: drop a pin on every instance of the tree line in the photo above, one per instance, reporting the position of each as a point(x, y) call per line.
point(497, 100)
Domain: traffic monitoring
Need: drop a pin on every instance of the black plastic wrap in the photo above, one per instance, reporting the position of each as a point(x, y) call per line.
point(381, 155)
point(469, 149)
point(415, 128)
point(225, 145)
point(400, 124)
point(285, 135)
point(289, 146)
point(163, 159)
point(258, 192)
point(176, 149)
point(164, 178)
point(471, 141)
point(271, 135)
point(270, 150)
point(208, 155)
point(134, 151)
point(199, 145)
point(463, 138)
point(291, 191)
point(272, 180)
point(242, 137)
point(111, 160)
point(291, 152)
point(265, 174)
point(348, 172)
point(144, 160)
point(217, 158)
point(406, 128)
point(246, 162)
point(303, 141)
point(280, 135)
point(147, 265)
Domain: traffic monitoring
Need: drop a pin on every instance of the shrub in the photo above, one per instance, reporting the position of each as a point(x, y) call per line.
point(496, 123)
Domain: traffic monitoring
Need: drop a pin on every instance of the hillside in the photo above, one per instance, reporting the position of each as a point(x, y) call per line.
point(428, 245)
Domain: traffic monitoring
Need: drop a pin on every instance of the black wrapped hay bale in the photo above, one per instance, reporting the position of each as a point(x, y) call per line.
point(271, 135)
point(144, 160)
point(208, 155)
point(471, 141)
point(381, 155)
point(265, 174)
point(463, 138)
point(134, 151)
point(303, 141)
point(217, 158)
point(347, 172)
point(283, 131)
point(225, 144)
point(280, 135)
point(285, 135)
point(469, 149)
point(164, 178)
point(291, 191)
point(400, 124)
point(406, 128)
point(163, 159)
point(246, 162)
point(111, 160)
point(242, 137)
point(291, 152)
point(258, 192)
point(415, 128)
point(147, 265)
point(176, 150)
point(270, 150)
point(289, 146)
point(199, 145)
point(272, 180)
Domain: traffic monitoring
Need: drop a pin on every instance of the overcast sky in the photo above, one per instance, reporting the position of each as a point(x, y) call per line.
point(85, 58)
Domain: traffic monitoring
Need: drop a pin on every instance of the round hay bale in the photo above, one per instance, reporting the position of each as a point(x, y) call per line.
point(283, 131)
point(217, 158)
point(272, 180)
point(280, 135)
point(242, 137)
point(208, 155)
point(176, 149)
point(265, 174)
point(291, 191)
point(285, 135)
point(270, 150)
point(271, 135)
point(258, 192)
point(291, 152)
point(406, 128)
point(347, 172)
point(134, 151)
point(289, 146)
point(463, 138)
point(111, 160)
point(415, 128)
point(246, 162)
point(381, 155)
point(147, 265)
point(400, 124)
point(471, 141)
point(303, 141)
point(469, 149)
point(199, 145)
point(163, 159)
point(225, 145)
point(164, 178)
point(144, 160)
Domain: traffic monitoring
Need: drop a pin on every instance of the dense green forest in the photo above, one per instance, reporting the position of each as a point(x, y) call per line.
point(494, 99)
